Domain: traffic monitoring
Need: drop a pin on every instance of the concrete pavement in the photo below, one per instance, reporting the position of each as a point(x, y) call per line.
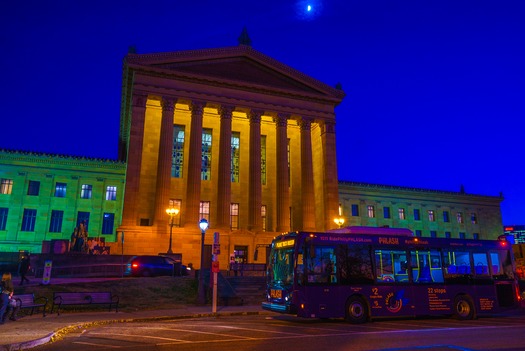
point(31, 331)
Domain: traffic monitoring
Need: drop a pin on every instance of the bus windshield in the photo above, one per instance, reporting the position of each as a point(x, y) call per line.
point(280, 268)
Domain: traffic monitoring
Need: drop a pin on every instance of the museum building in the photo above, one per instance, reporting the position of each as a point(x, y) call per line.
point(229, 135)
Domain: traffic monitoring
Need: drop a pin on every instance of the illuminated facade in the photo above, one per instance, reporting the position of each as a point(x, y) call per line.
point(428, 213)
point(43, 197)
point(229, 135)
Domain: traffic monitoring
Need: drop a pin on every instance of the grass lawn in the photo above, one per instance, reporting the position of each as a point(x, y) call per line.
point(134, 293)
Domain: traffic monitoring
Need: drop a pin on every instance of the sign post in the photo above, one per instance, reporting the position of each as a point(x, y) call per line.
point(215, 269)
point(46, 277)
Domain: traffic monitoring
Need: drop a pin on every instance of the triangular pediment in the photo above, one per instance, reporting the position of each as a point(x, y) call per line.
point(242, 70)
point(240, 66)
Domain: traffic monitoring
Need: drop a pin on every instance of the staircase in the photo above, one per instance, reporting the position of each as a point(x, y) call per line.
point(250, 288)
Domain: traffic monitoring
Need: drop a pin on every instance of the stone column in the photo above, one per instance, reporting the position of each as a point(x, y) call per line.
point(224, 184)
point(307, 176)
point(331, 189)
point(134, 160)
point(255, 186)
point(162, 194)
point(193, 188)
point(282, 180)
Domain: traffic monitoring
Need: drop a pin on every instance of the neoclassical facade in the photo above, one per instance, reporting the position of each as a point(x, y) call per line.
point(427, 212)
point(229, 135)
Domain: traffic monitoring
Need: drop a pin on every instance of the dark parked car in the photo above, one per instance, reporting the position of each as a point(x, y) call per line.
point(151, 266)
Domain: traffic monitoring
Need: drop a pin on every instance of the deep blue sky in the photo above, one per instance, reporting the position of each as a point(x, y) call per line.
point(435, 89)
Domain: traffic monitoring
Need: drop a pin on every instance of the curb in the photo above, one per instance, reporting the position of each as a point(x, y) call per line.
point(61, 332)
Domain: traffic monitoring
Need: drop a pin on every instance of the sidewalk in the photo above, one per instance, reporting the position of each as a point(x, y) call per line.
point(31, 331)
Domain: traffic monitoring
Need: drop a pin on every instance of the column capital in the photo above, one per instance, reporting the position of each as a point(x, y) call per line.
point(139, 100)
point(281, 119)
point(255, 115)
point(306, 123)
point(168, 104)
point(197, 106)
point(226, 111)
point(328, 127)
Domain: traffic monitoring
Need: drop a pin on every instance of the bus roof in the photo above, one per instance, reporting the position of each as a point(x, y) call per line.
point(372, 231)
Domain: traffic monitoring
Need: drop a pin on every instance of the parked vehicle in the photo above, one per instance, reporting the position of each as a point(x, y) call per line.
point(152, 266)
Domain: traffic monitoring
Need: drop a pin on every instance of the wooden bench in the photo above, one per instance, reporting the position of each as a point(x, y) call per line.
point(84, 298)
point(32, 302)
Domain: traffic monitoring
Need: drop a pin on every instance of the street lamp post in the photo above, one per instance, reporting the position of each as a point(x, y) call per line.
point(339, 221)
point(172, 212)
point(203, 224)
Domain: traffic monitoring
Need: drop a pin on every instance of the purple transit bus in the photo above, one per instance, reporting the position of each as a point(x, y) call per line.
point(361, 273)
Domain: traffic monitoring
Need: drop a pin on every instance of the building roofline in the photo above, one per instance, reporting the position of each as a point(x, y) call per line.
point(414, 189)
point(25, 153)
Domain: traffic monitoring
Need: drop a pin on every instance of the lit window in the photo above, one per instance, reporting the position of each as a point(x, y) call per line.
point(3, 217)
point(459, 216)
point(288, 153)
point(34, 188)
point(473, 218)
point(386, 212)
point(6, 186)
point(236, 151)
point(263, 159)
point(28, 221)
point(263, 215)
point(60, 189)
point(371, 211)
point(401, 212)
point(86, 191)
point(55, 225)
point(107, 223)
point(177, 159)
point(234, 216)
point(111, 193)
point(206, 155)
point(431, 217)
point(204, 211)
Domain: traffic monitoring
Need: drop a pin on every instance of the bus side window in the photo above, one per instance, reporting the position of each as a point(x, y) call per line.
point(321, 267)
point(481, 266)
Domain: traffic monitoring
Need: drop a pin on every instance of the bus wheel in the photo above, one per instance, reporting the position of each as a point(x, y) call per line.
point(356, 310)
point(463, 307)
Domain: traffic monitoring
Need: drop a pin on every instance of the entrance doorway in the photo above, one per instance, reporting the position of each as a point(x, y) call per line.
point(240, 254)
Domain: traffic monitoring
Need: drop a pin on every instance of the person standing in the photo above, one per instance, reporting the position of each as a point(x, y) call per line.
point(7, 293)
point(25, 265)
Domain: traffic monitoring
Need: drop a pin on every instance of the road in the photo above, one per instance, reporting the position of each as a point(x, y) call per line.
point(276, 332)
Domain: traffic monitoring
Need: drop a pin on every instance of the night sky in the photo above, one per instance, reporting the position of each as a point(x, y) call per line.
point(435, 89)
